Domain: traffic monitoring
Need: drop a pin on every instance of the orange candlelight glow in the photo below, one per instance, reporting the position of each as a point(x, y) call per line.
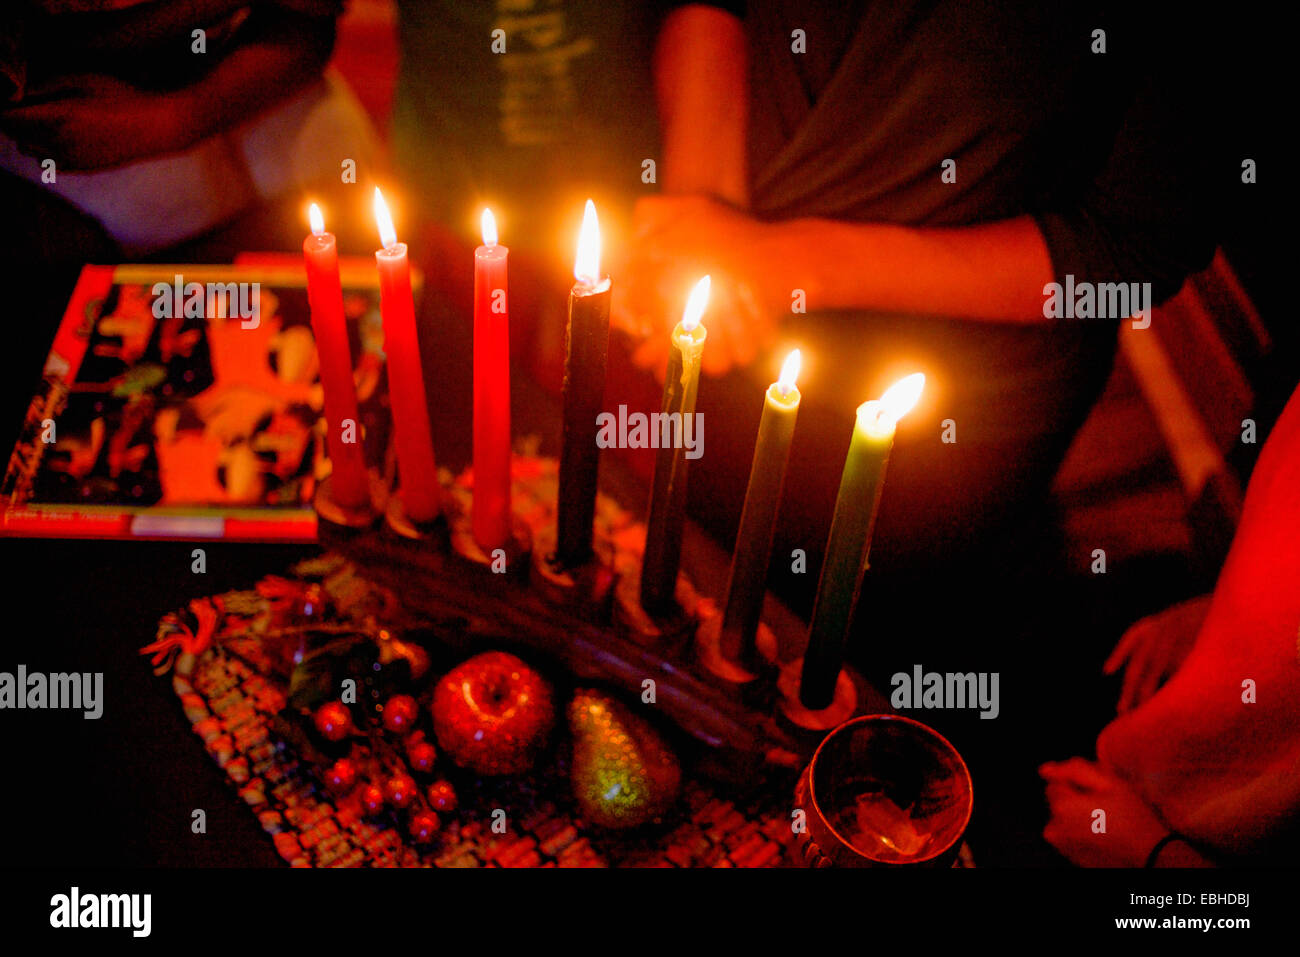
point(316, 219)
point(789, 373)
point(387, 232)
point(695, 305)
point(489, 225)
point(586, 267)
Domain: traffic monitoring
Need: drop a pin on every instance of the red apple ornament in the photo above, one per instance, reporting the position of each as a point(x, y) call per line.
point(493, 714)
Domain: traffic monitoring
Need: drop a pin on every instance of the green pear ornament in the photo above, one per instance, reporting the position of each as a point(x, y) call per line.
point(624, 773)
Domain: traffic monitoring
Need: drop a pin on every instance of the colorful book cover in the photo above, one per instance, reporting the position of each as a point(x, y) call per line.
point(167, 410)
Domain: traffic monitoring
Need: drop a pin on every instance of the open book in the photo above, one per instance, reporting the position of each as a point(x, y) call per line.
point(183, 401)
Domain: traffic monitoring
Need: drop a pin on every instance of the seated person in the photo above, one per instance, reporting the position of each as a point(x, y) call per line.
point(158, 134)
point(915, 175)
point(1201, 766)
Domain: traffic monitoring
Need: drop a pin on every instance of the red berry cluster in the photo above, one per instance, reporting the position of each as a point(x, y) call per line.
point(379, 785)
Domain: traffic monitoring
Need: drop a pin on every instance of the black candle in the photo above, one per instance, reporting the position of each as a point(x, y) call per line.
point(586, 348)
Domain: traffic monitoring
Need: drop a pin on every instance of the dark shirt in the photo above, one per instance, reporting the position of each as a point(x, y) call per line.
point(1101, 148)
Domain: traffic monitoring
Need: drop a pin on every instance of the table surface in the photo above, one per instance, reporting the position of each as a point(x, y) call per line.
point(133, 777)
point(121, 790)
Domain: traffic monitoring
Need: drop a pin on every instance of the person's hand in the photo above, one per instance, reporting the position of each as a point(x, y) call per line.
point(678, 239)
point(1153, 649)
point(93, 121)
point(1076, 789)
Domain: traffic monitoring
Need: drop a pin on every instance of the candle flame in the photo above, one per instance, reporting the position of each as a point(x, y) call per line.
point(901, 397)
point(387, 232)
point(586, 267)
point(789, 372)
point(880, 416)
point(316, 219)
point(695, 305)
point(489, 228)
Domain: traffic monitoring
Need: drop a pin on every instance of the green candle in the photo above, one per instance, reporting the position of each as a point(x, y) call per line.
point(663, 542)
point(747, 582)
point(849, 544)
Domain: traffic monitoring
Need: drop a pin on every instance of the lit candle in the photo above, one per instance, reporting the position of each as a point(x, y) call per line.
point(586, 347)
point(349, 484)
point(748, 579)
point(663, 543)
point(491, 514)
point(849, 544)
point(418, 480)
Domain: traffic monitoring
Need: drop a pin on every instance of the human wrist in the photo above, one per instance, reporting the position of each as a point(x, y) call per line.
point(792, 260)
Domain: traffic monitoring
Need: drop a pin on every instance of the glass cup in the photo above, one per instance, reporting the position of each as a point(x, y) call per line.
point(883, 790)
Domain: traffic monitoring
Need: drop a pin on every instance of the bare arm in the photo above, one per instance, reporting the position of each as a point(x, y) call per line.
point(95, 121)
point(993, 271)
point(280, 52)
point(702, 88)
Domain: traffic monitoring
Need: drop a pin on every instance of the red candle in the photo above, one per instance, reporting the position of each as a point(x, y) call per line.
point(491, 514)
point(418, 479)
point(349, 484)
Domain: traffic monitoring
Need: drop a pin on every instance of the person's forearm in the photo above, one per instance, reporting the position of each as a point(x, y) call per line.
point(995, 271)
point(702, 88)
point(278, 55)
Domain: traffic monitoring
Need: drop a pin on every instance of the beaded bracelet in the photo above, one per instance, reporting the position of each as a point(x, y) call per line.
point(1161, 845)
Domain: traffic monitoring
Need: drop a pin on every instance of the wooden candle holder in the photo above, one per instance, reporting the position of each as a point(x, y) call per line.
point(329, 509)
point(724, 663)
point(584, 590)
point(398, 521)
point(668, 631)
point(589, 622)
point(843, 706)
point(515, 550)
